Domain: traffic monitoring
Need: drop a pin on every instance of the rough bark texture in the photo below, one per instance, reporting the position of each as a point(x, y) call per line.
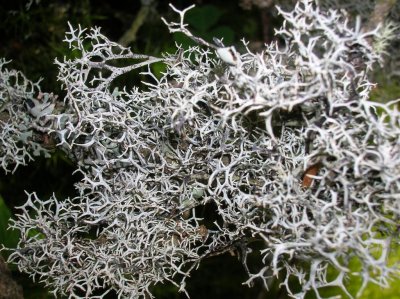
point(381, 11)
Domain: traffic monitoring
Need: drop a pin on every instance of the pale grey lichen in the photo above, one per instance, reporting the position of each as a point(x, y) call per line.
point(286, 145)
point(22, 108)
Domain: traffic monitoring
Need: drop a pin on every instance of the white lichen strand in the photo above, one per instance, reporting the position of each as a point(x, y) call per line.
point(286, 145)
point(23, 109)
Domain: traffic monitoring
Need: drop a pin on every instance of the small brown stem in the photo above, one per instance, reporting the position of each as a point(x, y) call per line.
point(381, 11)
point(266, 24)
point(130, 35)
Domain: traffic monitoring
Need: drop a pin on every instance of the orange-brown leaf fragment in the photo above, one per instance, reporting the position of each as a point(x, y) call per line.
point(308, 175)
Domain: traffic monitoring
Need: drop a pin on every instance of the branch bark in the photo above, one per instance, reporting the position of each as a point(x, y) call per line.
point(130, 35)
point(381, 11)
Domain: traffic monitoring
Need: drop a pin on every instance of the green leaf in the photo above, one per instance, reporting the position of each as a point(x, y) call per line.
point(223, 32)
point(354, 282)
point(203, 18)
point(9, 238)
point(183, 40)
point(158, 69)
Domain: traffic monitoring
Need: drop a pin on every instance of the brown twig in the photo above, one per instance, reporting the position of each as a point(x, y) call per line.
point(381, 11)
point(131, 34)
